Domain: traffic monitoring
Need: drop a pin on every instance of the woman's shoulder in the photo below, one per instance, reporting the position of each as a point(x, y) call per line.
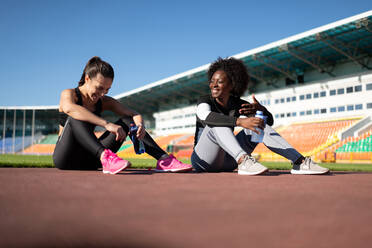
point(68, 92)
point(68, 95)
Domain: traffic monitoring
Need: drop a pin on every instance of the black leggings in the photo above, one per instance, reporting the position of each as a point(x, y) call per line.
point(78, 148)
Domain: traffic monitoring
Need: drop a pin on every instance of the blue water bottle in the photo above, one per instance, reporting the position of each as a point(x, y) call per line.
point(139, 147)
point(258, 138)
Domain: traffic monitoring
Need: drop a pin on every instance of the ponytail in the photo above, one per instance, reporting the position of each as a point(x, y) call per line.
point(95, 66)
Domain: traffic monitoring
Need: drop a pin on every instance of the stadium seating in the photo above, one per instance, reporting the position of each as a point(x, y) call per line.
point(50, 139)
point(354, 148)
point(40, 149)
point(44, 147)
point(18, 143)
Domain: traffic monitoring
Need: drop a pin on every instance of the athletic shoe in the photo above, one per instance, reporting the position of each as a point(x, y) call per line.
point(112, 164)
point(171, 164)
point(308, 167)
point(249, 166)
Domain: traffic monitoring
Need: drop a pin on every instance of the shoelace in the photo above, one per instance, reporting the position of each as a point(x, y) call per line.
point(112, 157)
point(175, 161)
point(247, 157)
point(252, 159)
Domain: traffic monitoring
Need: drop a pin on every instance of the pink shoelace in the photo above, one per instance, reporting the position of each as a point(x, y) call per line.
point(110, 156)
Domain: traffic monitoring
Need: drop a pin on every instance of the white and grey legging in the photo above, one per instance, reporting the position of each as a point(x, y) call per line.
point(218, 149)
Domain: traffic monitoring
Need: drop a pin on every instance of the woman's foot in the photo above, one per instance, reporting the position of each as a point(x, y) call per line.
point(249, 166)
point(111, 163)
point(308, 167)
point(171, 164)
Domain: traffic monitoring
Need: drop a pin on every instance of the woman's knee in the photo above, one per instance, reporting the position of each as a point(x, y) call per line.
point(202, 166)
point(74, 123)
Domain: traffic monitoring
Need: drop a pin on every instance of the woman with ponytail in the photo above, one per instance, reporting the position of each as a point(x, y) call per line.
point(78, 148)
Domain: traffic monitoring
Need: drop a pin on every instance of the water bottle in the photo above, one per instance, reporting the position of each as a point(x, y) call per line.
point(139, 147)
point(258, 138)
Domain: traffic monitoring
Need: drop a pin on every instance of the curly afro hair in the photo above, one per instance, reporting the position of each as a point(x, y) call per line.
point(235, 71)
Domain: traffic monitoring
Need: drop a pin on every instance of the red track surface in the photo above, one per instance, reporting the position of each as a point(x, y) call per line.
point(52, 208)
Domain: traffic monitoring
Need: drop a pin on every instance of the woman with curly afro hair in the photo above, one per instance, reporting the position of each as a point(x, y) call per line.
point(216, 148)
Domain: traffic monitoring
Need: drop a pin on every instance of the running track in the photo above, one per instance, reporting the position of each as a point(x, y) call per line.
point(52, 208)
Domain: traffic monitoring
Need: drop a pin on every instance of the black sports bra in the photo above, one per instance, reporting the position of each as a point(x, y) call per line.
point(63, 116)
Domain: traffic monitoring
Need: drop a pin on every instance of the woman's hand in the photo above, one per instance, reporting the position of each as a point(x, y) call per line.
point(251, 108)
point(251, 123)
point(117, 130)
point(141, 132)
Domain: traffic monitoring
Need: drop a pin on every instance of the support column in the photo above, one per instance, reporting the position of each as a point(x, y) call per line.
point(4, 131)
point(33, 127)
point(23, 130)
point(14, 129)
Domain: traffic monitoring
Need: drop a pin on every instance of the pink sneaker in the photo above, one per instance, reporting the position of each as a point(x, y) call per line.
point(112, 164)
point(171, 164)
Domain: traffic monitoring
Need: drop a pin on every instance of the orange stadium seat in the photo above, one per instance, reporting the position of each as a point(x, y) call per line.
point(44, 149)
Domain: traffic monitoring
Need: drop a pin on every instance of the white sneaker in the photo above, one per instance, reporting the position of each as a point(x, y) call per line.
point(308, 167)
point(249, 166)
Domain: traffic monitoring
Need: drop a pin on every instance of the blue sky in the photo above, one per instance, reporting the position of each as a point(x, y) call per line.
point(44, 45)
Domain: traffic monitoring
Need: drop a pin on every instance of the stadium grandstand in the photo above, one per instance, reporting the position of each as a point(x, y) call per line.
point(317, 84)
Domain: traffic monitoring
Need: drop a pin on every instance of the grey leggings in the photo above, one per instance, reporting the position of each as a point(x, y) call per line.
point(219, 150)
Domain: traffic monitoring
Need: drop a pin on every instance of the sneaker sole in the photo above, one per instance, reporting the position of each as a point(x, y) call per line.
point(127, 165)
point(252, 173)
point(174, 170)
point(303, 172)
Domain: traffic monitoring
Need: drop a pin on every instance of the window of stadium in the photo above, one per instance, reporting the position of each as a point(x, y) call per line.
point(293, 98)
point(349, 90)
point(323, 111)
point(357, 88)
point(369, 87)
point(369, 105)
point(316, 111)
point(288, 99)
point(268, 101)
point(302, 113)
point(302, 97)
point(341, 108)
point(276, 101)
point(322, 94)
point(288, 114)
point(358, 106)
point(350, 107)
point(332, 92)
point(332, 110)
point(281, 100)
point(308, 96)
point(294, 114)
point(308, 112)
point(276, 116)
point(316, 94)
point(340, 91)
point(281, 115)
